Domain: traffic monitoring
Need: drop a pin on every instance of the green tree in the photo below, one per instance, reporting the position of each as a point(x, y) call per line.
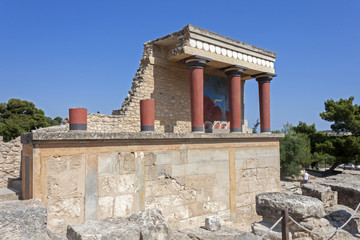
point(344, 114)
point(294, 152)
point(256, 125)
point(19, 116)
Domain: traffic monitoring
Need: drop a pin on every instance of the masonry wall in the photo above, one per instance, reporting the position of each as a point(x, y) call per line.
point(167, 83)
point(10, 161)
point(186, 180)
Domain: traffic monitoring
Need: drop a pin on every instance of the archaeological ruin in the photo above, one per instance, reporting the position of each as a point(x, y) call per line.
point(179, 143)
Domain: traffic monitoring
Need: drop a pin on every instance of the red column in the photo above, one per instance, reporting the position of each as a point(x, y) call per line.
point(78, 118)
point(235, 102)
point(147, 114)
point(234, 77)
point(196, 65)
point(264, 103)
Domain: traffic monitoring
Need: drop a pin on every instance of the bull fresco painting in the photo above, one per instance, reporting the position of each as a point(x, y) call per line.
point(216, 102)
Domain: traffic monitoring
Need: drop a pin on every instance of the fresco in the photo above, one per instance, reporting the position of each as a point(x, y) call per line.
point(216, 102)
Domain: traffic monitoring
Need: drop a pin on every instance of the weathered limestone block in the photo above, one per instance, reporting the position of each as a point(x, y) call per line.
point(152, 224)
point(212, 223)
point(323, 193)
point(339, 214)
point(270, 205)
point(203, 234)
point(260, 228)
point(23, 220)
point(347, 186)
point(106, 229)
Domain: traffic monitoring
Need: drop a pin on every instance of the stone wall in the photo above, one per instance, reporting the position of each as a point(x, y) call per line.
point(10, 161)
point(187, 178)
point(167, 84)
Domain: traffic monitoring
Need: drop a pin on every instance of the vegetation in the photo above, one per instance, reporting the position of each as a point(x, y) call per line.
point(343, 147)
point(294, 152)
point(19, 116)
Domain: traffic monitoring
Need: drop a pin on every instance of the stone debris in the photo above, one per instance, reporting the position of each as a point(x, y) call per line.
point(23, 220)
point(270, 205)
point(106, 229)
point(145, 225)
point(152, 224)
point(212, 223)
point(339, 214)
point(323, 193)
point(203, 234)
point(346, 185)
point(291, 187)
point(260, 228)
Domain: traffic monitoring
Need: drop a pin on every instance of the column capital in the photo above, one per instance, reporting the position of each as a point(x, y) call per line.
point(264, 77)
point(234, 70)
point(196, 61)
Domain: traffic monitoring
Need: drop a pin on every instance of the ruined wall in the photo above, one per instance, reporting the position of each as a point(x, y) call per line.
point(10, 161)
point(167, 84)
point(186, 181)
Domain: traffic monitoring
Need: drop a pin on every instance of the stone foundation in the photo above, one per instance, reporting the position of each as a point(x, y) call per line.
point(84, 176)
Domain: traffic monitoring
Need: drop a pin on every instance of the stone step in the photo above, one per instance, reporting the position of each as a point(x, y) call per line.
point(8, 194)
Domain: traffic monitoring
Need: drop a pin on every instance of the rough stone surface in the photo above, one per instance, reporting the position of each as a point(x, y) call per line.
point(203, 234)
point(152, 224)
point(270, 205)
point(23, 220)
point(106, 229)
point(346, 185)
point(10, 161)
point(260, 228)
point(323, 193)
point(246, 236)
point(291, 187)
point(146, 225)
point(212, 223)
point(339, 214)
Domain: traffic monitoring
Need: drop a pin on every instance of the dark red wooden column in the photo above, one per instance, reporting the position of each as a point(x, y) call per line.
point(264, 101)
point(197, 65)
point(78, 118)
point(234, 86)
point(147, 114)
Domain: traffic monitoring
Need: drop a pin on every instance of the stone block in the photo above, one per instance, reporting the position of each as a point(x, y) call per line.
point(200, 180)
point(124, 205)
point(63, 185)
point(66, 208)
point(208, 156)
point(167, 157)
point(127, 162)
point(23, 220)
point(269, 205)
point(212, 223)
point(108, 164)
point(61, 164)
point(105, 207)
point(323, 193)
point(112, 185)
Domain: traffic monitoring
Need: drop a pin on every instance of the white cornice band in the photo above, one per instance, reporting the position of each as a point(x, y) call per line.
point(229, 53)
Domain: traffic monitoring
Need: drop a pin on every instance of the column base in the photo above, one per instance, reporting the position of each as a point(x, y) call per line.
point(235, 130)
point(265, 130)
point(197, 129)
point(147, 128)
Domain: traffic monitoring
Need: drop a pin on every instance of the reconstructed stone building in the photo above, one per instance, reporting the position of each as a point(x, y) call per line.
point(195, 156)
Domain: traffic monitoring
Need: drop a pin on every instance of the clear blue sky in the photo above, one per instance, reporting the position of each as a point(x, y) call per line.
point(61, 54)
